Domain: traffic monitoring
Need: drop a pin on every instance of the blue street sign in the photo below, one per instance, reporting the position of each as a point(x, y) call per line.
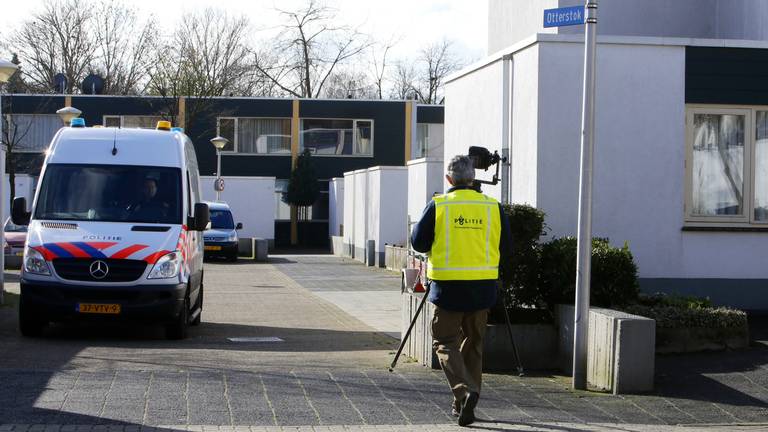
point(566, 16)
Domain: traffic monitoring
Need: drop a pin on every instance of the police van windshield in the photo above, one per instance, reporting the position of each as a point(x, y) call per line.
point(110, 193)
point(222, 219)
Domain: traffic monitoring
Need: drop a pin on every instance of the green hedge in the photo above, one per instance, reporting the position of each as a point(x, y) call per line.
point(704, 317)
point(614, 273)
point(521, 274)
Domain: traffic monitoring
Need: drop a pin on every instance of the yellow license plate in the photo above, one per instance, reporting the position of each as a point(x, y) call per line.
point(99, 308)
point(19, 253)
point(214, 248)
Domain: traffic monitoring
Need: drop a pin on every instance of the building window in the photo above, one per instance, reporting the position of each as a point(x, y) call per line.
point(429, 141)
point(113, 121)
point(31, 133)
point(335, 137)
point(226, 128)
point(727, 166)
point(131, 121)
point(248, 135)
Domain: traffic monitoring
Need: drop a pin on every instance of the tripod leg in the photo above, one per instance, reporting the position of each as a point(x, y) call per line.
point(512, 338)
point(410, 328)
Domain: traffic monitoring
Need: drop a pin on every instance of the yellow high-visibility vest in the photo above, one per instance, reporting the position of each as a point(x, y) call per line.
point(467, 236)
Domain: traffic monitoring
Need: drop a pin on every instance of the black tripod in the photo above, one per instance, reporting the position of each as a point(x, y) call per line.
point(416, 316)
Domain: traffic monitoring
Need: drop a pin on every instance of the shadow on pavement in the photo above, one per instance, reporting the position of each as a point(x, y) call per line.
point(714, 376)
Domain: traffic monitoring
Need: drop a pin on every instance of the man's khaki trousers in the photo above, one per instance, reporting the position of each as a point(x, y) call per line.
point(458, 341)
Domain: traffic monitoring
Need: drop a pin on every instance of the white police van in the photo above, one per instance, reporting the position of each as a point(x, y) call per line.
point(115, 231)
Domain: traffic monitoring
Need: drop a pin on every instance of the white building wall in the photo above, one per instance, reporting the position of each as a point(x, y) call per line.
point(360, 216)
point(639, 148)
point(525, 121)
point(252, 200)
point(510, 21)
point(639, 173)
point(425, 178)
point(387, 208)
point(473, 116)
point(335, 206)
point(349, 212)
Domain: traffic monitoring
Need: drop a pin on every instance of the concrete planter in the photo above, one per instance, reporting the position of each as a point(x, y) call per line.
point(395, 257)
point(536, 343)
point(693, 339)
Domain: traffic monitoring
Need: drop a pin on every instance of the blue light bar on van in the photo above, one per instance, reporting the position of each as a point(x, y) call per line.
point(77, 122)
point(177, 129)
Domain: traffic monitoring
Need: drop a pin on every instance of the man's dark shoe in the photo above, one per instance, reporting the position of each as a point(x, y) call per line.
point(467, 414)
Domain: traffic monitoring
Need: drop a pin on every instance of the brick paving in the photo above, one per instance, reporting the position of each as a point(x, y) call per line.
point(328, 374)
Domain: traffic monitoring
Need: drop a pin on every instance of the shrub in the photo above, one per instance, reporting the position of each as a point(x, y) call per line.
point(521, 274)
point(697, 317)
point(614, 273)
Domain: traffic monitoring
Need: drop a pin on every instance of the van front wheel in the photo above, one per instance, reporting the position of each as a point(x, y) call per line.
point(179, 328)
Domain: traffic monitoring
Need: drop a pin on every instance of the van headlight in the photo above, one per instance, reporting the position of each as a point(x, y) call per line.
point(167, 266)
point(232, 237)
point(35, 263)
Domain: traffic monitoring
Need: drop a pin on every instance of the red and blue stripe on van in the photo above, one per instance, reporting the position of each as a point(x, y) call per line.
point(51, 251)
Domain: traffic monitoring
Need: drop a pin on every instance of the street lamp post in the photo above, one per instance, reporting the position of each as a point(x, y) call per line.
point(219, 142)
point(7, 69)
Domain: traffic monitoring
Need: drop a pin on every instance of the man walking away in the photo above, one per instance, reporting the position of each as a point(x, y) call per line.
point(465, 234)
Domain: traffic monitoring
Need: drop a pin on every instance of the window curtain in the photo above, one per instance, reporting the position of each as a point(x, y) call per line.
point(33, 132)
point(718, 164)
point(363, 139)
point(761, 167)
point(263, 136)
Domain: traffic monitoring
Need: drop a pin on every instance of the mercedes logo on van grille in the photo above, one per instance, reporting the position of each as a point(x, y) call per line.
point(99, 269)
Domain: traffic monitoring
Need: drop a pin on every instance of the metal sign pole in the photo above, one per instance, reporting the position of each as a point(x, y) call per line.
point(218, 174)
point(584, 258)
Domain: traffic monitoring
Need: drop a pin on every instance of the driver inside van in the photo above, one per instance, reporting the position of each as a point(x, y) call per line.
point(150, 205)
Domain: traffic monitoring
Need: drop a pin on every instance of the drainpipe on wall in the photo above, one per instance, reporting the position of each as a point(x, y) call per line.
point(506, 128)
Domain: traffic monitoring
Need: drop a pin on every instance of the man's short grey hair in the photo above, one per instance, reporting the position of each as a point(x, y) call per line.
point(461, 170)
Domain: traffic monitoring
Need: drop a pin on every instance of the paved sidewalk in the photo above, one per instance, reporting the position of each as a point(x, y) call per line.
point(521, 427)
point(369, 294)
point(327, 370)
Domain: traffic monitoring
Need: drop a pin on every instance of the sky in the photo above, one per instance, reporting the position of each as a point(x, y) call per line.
point(414, 23)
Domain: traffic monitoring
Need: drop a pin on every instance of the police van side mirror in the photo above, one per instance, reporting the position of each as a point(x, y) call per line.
point(19, 213)
point(239, 226)
point(201, 217)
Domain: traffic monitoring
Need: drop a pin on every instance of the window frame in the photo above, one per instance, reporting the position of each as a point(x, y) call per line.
point(235, 146)
point(747, 219)
point(354, 137)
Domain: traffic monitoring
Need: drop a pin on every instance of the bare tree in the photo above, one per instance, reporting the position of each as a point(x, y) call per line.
point(424, 78)
point(404, 81)
point(349, 84)
point(123, 47)
point(378, 65)
point(311, 47)
point(204, 58)
point(56, 39)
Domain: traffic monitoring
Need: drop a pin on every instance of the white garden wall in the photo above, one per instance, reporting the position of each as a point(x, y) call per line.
point(252, 200)
point(387, 208)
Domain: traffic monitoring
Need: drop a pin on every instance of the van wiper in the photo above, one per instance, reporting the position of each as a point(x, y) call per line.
point(150, 228)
